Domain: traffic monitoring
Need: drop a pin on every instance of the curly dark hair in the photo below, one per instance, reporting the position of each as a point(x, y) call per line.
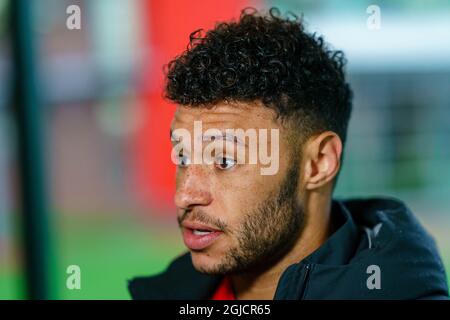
point(270, 58)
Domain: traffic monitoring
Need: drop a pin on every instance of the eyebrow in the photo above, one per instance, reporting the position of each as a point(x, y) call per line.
point(206, 138)
point(226, 137)
point(173, 136)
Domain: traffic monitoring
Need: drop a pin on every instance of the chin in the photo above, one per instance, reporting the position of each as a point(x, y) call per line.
point(206, 263)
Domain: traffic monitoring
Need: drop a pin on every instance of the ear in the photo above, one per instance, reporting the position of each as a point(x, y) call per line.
point(323, 159)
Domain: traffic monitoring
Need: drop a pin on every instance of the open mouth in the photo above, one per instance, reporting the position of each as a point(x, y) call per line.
point(198, 237)
point(199, 232)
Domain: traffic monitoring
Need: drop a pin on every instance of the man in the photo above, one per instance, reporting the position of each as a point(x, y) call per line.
point(278, 235)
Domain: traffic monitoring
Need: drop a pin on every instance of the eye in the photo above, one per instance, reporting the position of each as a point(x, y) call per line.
point(224, 163)
point(183, 161)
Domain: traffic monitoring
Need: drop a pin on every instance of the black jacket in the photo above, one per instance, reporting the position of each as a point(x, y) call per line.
point(376, 238)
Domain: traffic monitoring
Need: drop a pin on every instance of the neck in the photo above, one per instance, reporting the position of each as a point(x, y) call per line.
point(261, 285)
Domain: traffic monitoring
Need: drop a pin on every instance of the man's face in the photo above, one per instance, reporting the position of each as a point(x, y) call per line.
point(232, 217)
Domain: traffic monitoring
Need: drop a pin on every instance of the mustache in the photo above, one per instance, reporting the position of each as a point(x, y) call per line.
point(200, 216)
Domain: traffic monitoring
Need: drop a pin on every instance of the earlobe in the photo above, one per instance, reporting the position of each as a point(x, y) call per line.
point(323, 164)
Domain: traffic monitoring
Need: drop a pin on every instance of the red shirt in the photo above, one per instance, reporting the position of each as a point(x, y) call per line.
point(224, 291)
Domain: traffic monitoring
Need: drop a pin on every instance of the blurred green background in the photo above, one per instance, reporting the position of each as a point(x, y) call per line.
point(90, 84)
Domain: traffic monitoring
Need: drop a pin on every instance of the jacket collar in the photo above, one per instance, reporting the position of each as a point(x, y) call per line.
point(341, 245)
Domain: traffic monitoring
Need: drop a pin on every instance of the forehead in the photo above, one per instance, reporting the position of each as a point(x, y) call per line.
point(226, 115)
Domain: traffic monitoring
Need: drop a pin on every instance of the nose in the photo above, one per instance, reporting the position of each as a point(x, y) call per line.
point(192, 188)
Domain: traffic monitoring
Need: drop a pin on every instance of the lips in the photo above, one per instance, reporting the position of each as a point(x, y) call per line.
point(198, 236)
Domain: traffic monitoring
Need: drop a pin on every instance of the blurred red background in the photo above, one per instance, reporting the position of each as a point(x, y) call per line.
point(168, 24)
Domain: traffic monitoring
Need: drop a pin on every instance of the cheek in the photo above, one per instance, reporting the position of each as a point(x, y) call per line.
point(239, 200)
point(233, 194)
point(241, 192)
